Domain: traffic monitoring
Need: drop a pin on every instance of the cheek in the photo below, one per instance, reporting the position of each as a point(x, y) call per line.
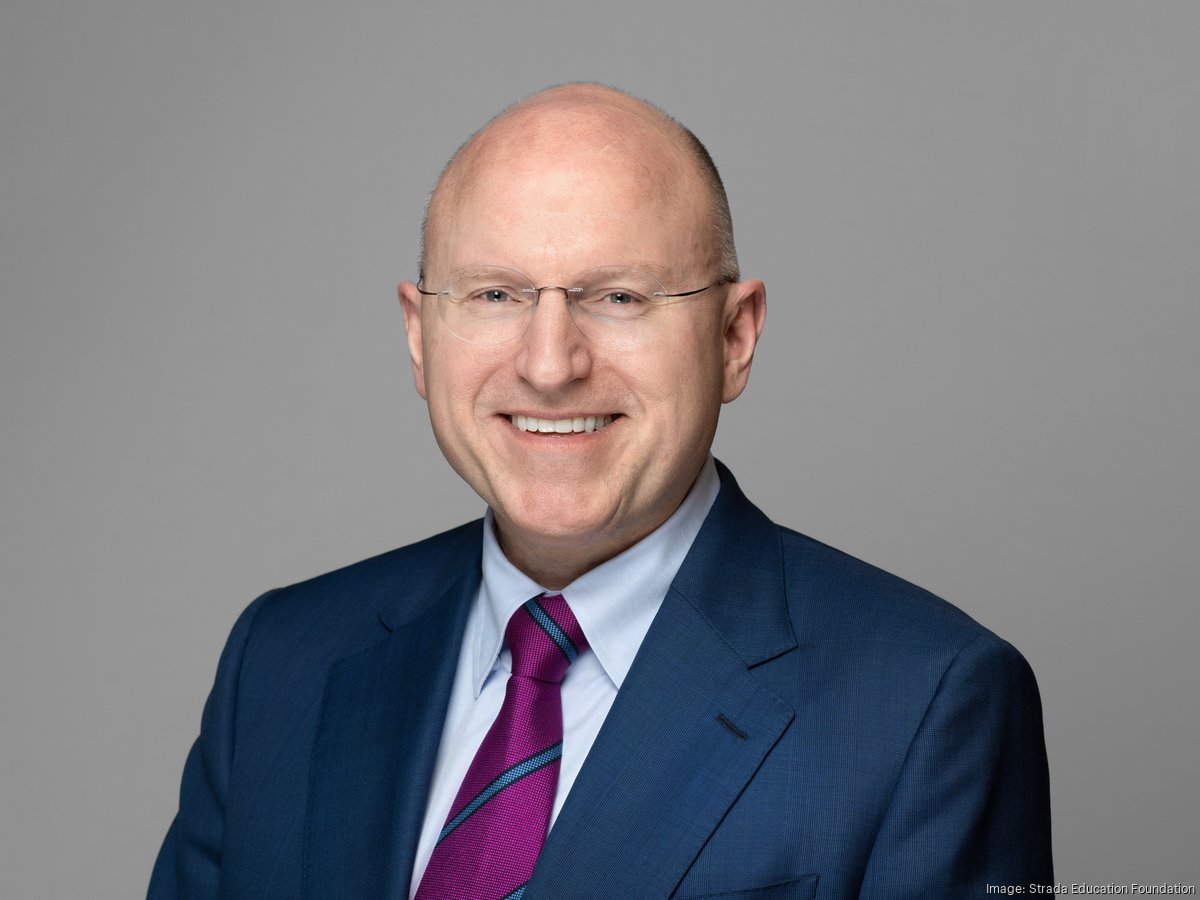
point(456, 375)
point(704, 392)
point(697, 365)
point(681, 388)
point(440, 362)
point(451, 383)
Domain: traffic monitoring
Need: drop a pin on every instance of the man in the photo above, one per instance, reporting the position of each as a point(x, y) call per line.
point(625, 681)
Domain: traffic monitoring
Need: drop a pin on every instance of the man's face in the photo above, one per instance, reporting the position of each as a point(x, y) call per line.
point(553, 212)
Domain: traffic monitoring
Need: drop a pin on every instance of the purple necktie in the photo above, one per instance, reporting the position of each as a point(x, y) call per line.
point(499, 819)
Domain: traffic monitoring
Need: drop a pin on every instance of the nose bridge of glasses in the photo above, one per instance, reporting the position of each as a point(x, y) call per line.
point(537, 292)
point(569, 293)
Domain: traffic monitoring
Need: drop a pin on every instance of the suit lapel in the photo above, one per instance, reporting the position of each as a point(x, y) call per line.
point(381, 723)
point(690, 725)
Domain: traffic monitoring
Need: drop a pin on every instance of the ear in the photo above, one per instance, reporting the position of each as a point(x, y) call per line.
point(411, 302)
point(745, 312)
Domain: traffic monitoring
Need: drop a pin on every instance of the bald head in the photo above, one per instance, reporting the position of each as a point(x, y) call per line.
point(593, 129)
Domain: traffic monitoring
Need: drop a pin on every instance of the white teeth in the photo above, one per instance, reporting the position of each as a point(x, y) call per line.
point(561, 426)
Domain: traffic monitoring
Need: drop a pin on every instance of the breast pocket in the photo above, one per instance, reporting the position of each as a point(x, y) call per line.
point(802, 888)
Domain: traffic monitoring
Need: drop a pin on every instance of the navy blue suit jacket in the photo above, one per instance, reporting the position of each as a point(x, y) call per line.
point(796, 724)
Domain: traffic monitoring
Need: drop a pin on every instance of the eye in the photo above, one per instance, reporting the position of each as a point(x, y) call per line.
point(495, 295)
point(616, 293)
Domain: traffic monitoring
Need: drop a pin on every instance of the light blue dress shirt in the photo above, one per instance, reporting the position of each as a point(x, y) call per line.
point(614, 603)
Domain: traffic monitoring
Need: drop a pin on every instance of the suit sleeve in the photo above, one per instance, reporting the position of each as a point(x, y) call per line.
point(972, 804)
point(189, 864)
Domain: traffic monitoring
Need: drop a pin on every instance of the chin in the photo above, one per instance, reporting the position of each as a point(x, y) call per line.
point(573, 517)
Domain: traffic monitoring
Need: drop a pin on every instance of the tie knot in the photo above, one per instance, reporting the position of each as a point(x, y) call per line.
point(544, 638)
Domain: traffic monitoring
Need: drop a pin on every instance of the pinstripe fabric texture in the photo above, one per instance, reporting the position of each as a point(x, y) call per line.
point(498, 821)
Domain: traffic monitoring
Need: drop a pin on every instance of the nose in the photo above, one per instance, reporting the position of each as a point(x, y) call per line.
point(553, 351)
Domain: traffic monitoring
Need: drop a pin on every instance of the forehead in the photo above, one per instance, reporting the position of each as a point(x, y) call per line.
point(560, 189)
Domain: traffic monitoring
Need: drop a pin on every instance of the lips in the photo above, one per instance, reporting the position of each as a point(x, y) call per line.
point(573, 425)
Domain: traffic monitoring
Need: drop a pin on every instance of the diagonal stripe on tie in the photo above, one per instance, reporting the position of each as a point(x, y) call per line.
point(503, 780)
point(552, 629)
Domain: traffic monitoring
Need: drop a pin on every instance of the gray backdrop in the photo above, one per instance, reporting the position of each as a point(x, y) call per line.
point(978, 225)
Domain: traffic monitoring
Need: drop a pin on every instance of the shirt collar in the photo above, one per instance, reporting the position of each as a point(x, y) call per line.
point(615, 602)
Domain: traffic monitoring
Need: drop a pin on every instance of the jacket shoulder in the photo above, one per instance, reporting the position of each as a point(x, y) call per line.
point(331, 613)
point(852, 604)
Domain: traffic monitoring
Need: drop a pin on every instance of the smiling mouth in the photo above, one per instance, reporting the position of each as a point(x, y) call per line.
point(575, 425)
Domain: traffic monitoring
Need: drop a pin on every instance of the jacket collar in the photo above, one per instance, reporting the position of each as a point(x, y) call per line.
point(734, 576)
point(448, 564)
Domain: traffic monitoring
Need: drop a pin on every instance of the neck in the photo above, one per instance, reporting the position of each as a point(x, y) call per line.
point(556, 563)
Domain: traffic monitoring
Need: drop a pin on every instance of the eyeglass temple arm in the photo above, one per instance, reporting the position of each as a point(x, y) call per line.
point(725, 280)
